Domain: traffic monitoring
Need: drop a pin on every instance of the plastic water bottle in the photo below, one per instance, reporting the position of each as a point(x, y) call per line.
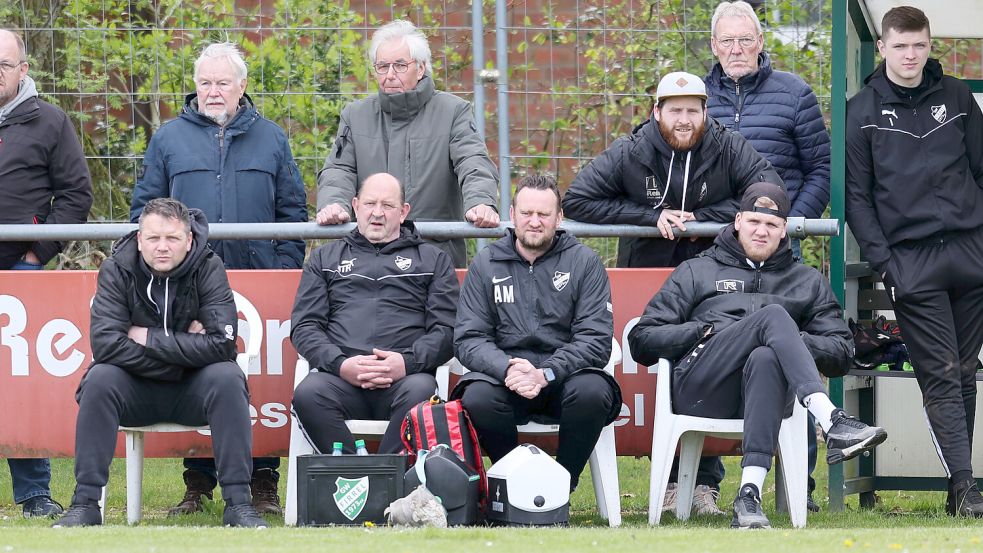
point(337, 448)
point(360, 448)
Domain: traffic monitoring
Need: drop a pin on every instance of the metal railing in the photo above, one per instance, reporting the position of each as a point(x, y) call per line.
point(798, 227)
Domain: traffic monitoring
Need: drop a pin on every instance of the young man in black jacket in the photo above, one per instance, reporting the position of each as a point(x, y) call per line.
point(748, 329)
point(534, 327)
point(163, 336)
point(374, 317)
point(914, 201)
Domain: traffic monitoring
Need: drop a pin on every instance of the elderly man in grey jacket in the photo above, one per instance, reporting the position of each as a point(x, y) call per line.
point(424, 137)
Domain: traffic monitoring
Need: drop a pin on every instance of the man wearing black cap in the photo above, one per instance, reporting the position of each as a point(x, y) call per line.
point(746, 328)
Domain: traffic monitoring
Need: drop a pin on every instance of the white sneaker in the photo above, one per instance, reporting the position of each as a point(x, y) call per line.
point(705, 501)
point(669, 503)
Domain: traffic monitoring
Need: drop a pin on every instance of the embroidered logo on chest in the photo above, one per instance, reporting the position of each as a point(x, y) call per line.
point(403, 263)
point(938, 112)
point(560, 280)
point(730, 286)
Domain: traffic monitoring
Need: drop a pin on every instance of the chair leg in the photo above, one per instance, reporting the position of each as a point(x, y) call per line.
point(134, 476)
point(604, 473)
point(793, 470)
point(689, 461)
point(664, 440)
point(298, 446)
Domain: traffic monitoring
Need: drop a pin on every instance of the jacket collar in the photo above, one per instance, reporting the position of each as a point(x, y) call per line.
point(751, 81)
point(405, 105)
point(879, 82)
point(728, 250)
point(240, 123)
point(504, 248)
point(408, 236)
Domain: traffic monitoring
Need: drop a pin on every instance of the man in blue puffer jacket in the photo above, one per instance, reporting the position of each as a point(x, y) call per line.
point(776, 111)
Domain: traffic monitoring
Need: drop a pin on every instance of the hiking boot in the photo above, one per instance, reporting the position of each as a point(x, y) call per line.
point(811, 504)
point(265, 497)
point(705, 501)
point(747, 509)
point(242, 516)
point(197, 485)
point(669, 503)
point(80, 514)
point(42, 506)
point(964, 500)
point(848, 437)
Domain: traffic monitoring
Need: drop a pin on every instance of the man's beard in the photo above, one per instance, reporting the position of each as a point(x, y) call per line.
point(221, 118)
point(682, 145)
point(537, 243)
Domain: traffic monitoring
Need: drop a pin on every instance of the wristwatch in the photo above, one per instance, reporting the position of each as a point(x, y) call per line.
point(548, 373)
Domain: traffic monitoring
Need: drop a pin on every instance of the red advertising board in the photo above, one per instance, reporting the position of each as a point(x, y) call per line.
point(44, 351)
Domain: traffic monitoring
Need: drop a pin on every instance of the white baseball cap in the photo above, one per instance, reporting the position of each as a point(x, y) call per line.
point(680, 83)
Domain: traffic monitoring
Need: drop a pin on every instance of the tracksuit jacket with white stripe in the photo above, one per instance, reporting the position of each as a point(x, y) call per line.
point(927, 178)
point(355, 296)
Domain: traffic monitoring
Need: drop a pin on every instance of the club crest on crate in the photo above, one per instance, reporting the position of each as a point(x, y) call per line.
point(351, 496)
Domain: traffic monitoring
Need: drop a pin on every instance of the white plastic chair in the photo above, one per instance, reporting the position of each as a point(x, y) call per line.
point(688, 431)
point(360, 428)
point(603, 460)
point(252, 330)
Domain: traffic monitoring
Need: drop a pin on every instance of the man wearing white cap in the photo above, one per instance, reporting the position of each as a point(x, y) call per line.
point(677, 166)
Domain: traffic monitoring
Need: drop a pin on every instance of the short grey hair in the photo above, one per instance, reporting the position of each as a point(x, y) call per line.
point(226, 50)
point(734, 9)
point(410, 35)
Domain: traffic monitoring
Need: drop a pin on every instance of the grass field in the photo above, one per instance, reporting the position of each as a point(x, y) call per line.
point(902, 521)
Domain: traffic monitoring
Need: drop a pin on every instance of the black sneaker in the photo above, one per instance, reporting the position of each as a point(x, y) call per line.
point(244, 516)
point(848, 437)
point(747, 509)
point(964, 500)
point(42, 506)
point(811, 504)
point(80, 514)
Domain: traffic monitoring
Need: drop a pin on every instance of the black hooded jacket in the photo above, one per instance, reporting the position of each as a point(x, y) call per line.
point(721, 287)
point(914, 166)
point(355, 296)
point(629, 183)
point(128, 294)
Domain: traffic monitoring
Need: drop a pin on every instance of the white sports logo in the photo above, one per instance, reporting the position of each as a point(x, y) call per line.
point(403, 263)
point(346, 265)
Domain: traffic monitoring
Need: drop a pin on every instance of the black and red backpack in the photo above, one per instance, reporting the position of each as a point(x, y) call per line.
point(436, 421)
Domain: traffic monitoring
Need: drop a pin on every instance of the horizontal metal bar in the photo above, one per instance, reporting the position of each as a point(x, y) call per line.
point(798, 227)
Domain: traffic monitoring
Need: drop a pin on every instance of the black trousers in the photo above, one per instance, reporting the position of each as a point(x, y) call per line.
point(753, 369)
point(215, 395)
point(323, 402)
point(937, 291)
point(581, 404)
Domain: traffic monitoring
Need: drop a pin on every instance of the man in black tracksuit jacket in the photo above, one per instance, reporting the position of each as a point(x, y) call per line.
point(746, 328)
point(534, 327)
point(163, 335)
point(640, 176)
point(914, 201)
point(374, 315)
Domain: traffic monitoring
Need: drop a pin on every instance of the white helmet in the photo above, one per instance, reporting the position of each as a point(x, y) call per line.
point(680, 83)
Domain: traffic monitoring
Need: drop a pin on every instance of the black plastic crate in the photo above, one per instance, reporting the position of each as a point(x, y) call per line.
point(347, 489)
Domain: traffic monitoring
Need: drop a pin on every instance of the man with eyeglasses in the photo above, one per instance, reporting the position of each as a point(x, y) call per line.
point(424, 137)
point(43, 179)
point(222, 157)
point(778, 113)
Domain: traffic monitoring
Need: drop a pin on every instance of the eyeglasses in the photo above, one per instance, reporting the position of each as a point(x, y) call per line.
point(399, 67)
point(745, 42)
point(7, 67)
